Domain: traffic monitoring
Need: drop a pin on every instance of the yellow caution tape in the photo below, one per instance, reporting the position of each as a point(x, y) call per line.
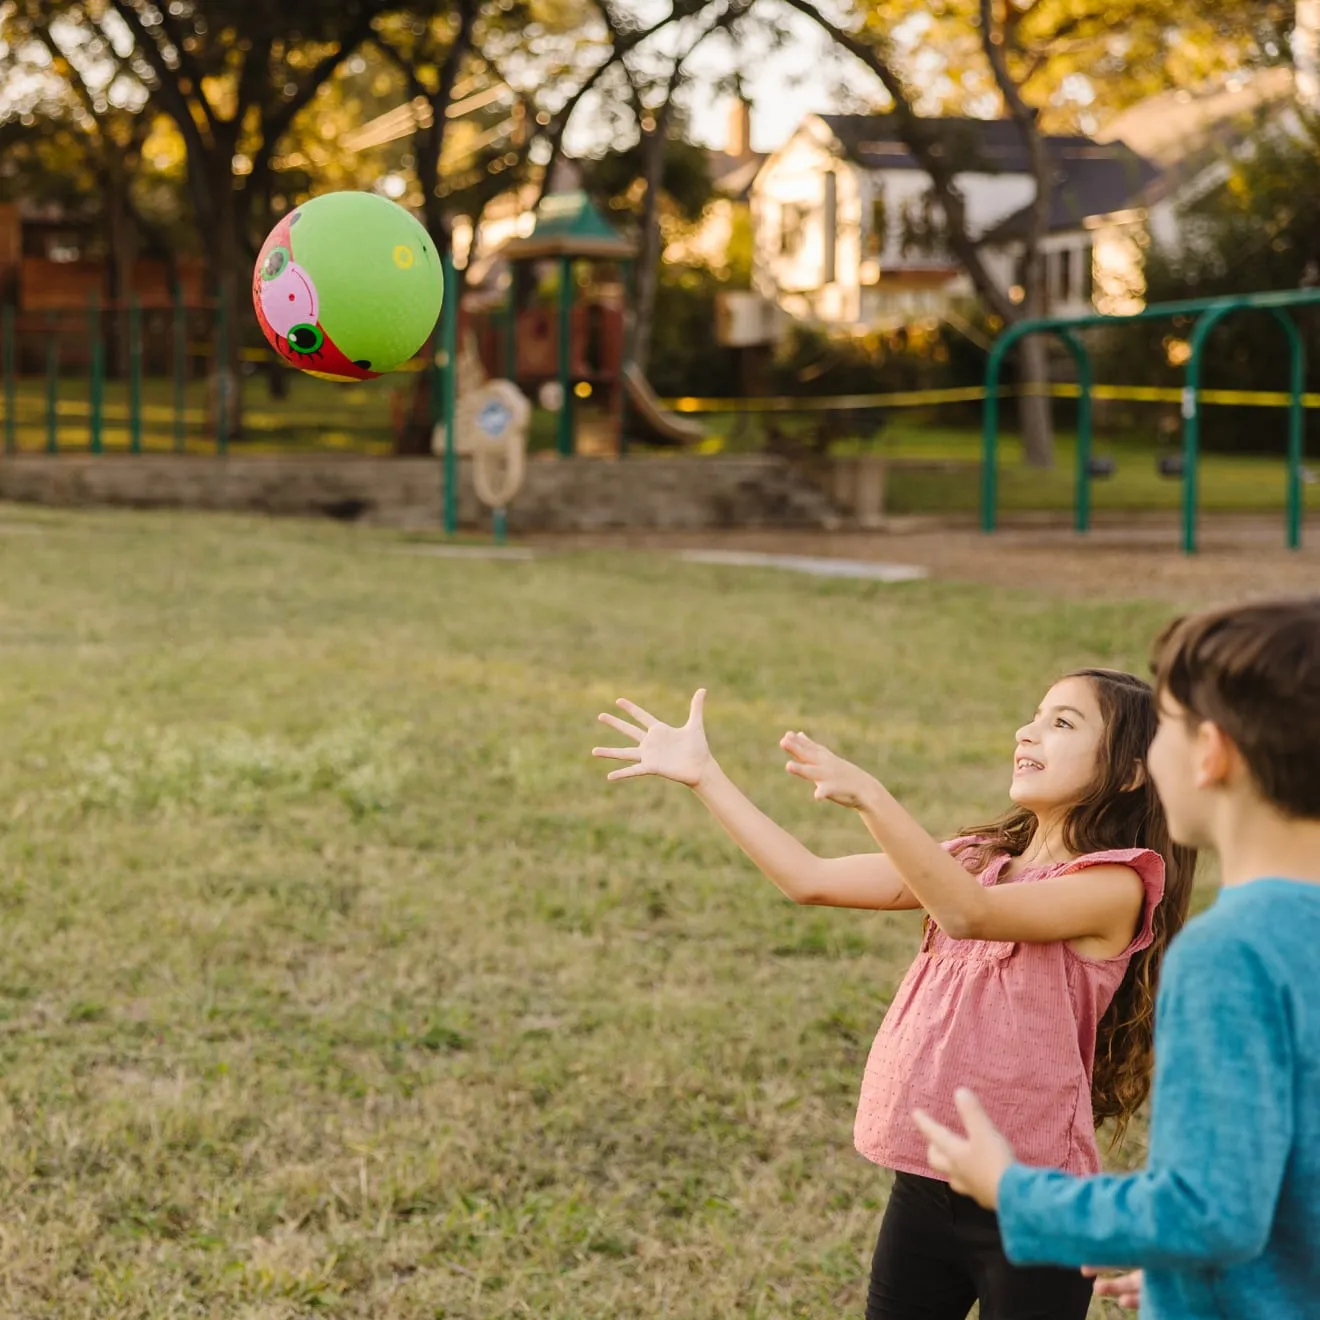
point(917, 398)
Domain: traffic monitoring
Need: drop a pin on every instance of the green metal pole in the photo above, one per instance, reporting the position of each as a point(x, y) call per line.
point(1191, 453)
point(7, 329)
point(565, 431)
point(1191, 411)
point(1296, 431)
point(221, 374)
point(500, 526)
point(511, 328)
point(449, 356)
point(626, 283)
point(134, 376)
point(52, 386)
point(990, 432)
point(1082, 511)
point(180, 366)
point(94, 439)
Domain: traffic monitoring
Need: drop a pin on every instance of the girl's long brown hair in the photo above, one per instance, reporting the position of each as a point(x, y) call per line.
point(1119, 810)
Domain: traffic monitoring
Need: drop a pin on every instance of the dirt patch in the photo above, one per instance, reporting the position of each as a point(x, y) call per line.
point(1133, 558)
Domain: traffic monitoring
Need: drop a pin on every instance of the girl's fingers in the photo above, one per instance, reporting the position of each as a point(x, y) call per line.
point(647, 721)
point(628, 772)
point(618, 753)
point(622, 726)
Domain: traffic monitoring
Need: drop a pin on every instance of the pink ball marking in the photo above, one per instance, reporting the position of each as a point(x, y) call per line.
point(289, 299)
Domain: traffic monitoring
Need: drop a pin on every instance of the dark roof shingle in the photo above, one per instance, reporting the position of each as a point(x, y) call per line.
point(1089, 178)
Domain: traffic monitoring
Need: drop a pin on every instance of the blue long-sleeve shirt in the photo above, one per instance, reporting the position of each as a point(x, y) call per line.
point(1225, 1219)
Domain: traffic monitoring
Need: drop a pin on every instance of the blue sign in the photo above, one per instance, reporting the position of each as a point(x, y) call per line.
point(494, 418)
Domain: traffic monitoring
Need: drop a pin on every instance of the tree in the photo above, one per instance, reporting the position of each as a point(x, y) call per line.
point(645, 71)
point(1017, 57)
point(1259, 230)
point(232, 77)
point(77, 137)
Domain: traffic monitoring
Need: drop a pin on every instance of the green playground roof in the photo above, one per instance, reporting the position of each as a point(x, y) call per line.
point(568, 225)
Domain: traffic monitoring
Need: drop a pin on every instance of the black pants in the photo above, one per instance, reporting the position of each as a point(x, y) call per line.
point(939, 1252)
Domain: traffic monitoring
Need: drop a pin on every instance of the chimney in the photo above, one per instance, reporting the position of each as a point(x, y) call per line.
point(1306, 53)
point(739, 141)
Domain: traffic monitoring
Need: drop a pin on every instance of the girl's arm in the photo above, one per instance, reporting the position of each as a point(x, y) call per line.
point(868, 880)
point(1104, 903)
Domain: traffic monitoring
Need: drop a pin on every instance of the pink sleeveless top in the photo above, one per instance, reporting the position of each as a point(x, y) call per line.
point(1015, 1022)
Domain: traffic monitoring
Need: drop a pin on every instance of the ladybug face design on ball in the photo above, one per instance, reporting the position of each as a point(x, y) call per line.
point(288, 310)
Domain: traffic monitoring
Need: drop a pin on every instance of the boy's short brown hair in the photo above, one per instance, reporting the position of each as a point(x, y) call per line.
point(1254, 670)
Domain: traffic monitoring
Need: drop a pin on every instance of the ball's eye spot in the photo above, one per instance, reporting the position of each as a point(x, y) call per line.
point(364, 363)
point(403, 257)
point(276, 260)
point(305, 338)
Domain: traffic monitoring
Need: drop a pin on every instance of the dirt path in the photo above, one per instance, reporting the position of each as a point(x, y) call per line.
point(1136, 558)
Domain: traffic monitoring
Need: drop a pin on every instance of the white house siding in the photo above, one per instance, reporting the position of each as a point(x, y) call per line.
point(803, 254)
point(1118, 257)
point(875, 281)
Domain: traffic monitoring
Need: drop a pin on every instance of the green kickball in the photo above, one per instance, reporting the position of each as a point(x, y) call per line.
point(347, 286)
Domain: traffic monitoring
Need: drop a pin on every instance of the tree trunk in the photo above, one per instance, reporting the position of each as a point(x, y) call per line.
point(648, 257)
point(123, 254)
point(226, 379)
point(1034, 407)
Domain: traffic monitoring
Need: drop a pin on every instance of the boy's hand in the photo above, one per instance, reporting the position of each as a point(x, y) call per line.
point(1125, 1289)
point(974, 1164)
point(836, 780)
point(680, 754)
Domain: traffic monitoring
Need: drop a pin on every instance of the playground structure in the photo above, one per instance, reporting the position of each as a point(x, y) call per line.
point(1208, 312)
point(574, 344)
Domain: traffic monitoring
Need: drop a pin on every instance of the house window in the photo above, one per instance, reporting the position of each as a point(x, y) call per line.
point(1086, 259)
point(792, 228)
point(878, 231)
point(1063, 281)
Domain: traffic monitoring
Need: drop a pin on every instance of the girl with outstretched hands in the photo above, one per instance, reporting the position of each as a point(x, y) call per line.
point(1035, 979)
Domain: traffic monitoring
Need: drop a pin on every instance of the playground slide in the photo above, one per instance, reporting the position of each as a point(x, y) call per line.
point(661, 426)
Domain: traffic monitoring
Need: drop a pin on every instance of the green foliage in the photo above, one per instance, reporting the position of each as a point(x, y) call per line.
point(616, 179)
point(684, 357)
point(918, 357)
point(1077, 61)
point(1258, 231)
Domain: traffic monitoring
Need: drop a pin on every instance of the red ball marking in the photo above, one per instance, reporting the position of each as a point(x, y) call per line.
point(291, 297)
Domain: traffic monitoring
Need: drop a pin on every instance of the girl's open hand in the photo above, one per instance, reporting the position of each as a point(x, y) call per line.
point(836, 780)
point(680, 754)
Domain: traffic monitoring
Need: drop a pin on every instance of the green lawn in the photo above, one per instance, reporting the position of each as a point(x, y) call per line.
point(336, 981)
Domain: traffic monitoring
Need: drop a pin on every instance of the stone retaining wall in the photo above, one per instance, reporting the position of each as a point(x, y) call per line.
point(581, 494)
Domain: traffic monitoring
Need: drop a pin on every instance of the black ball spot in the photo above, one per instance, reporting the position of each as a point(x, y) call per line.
point(364, 363)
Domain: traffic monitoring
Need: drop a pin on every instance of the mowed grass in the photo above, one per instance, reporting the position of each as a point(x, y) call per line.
point(335, 980)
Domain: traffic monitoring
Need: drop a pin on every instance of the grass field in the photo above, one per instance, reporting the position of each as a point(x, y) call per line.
point(335, 980)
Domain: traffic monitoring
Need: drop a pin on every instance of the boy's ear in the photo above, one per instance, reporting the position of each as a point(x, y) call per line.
point(1215, 755)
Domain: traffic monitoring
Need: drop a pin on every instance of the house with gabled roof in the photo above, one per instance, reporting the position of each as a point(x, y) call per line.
point(839, 210)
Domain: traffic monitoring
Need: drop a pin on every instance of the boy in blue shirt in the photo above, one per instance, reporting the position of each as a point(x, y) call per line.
point(1225, 1220)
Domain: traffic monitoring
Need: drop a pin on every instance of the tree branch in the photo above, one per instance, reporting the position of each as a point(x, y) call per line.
point(174, 103)
point(279, 122)
point(992, 40)
point(920, 141)
point(621, 44)
point(188, 67)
